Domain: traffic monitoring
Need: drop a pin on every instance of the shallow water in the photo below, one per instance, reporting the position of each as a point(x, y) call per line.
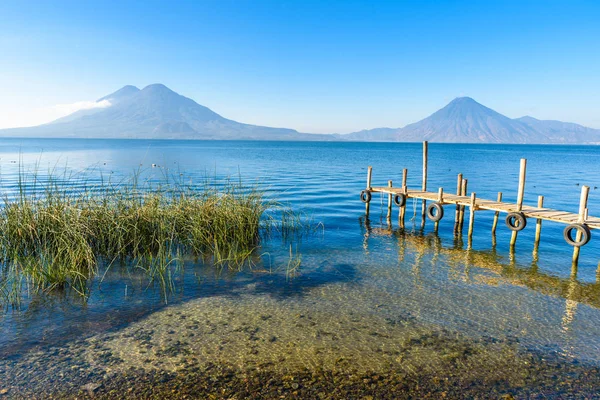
point(367, 297)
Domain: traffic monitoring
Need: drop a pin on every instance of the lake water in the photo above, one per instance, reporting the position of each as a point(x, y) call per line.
point(371, 306)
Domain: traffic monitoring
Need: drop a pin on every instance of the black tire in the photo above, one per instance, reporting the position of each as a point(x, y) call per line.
point(516, 221)
point(586, 234)
point(365, 196)
point(435, 212)
point(400, 200)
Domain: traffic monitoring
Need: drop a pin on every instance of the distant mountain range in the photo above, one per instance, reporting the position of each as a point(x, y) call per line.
point(464, 120)
point(154, 112)
point(157, 112)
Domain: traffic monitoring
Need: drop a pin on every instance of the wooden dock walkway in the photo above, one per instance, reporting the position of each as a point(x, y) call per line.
point(482, 204)
point(577, 233)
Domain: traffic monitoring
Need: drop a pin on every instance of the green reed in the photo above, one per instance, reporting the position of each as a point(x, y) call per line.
point(52, 236)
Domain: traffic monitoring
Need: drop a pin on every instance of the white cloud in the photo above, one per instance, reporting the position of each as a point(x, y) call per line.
point(66, 109)
point(14, 117)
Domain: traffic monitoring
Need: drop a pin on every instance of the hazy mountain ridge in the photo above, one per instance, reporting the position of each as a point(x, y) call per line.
point(157, 112)
point(464, 120)
point(154, 112)
point(563, 132)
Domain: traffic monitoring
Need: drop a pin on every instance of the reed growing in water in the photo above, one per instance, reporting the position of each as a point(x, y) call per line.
point(55, 236)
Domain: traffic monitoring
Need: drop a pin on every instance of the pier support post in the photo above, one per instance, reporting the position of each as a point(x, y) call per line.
point(585, 192)
point(424, 185)
point(538, 230)
point(369, 173)
point(457, 213)
point(405, 191)
point(389, 207)
point(440, 200)
point(471, 219)
point(461, 217)
point(520, 195)
point(496, 214)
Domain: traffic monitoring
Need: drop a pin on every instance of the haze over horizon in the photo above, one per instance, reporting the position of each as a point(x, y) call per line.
point(312, 67)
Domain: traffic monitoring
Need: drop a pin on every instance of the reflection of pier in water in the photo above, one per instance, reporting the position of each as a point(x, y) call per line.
point(458, 258)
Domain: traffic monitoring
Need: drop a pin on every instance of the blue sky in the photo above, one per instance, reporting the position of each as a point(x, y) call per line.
point(315, 66)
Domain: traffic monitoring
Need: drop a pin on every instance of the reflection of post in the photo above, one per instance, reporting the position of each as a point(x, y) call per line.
point(512, 257)
point(369, 172)
point(437, 247)
point(401, 247)
point(570, 305)
point(534, 265)
point(404, 190)
point(418, 264)
point(458, 242)
point(461, 217)
point(367, 234)
point(585, 191)
point(457, 213)
point(467, 264)
point(389, 208)
point(424, 185)
point(538, 230)
point(520, 195)
point(471, 219)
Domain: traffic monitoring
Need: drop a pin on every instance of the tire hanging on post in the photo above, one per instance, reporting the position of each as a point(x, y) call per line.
point(583, 229)
point(516, 221)
point(365, 196)
point(400, 200)
point(435, 212)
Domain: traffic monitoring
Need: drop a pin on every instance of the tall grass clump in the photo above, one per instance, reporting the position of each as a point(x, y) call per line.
point(55, 233)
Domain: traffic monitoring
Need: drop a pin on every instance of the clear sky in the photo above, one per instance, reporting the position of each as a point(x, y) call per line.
point(315, 66)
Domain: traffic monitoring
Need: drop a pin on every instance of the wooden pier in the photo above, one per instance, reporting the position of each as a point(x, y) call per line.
point(482, 204)
point(577, 232)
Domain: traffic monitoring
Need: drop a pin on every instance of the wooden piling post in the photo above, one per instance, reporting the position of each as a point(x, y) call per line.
point(513, 240)
point(369, 173)
point(521, 191)
point(496, 214)
point(520, 195)
point(405, 191)
point(424, 185)
point(538, 229)
point(463, 192)
point(457, 213)
point(425, 155)
point(471, 218)
point(440, 201)
point(389, 207)
point(585, 192)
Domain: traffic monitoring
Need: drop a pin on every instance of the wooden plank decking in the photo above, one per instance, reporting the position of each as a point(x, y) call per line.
point(483, 204)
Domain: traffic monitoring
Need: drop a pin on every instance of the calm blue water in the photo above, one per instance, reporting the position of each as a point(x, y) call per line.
point(537, 301)
point(324, 179)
